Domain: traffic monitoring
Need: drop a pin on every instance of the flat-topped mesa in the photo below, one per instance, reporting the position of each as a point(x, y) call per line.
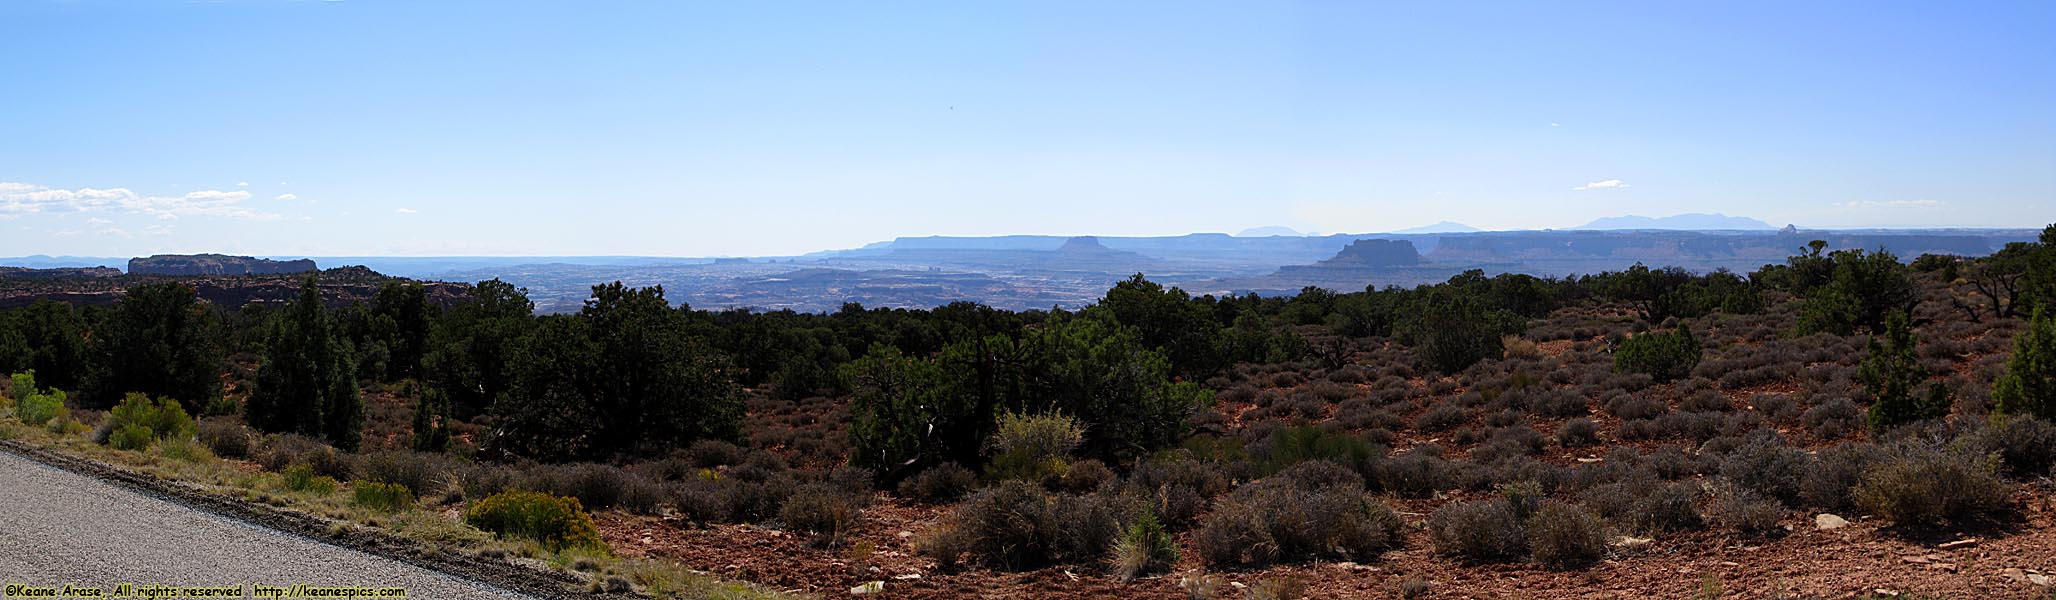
point(1084, 244)
point(1375, 253)
point(215, 264)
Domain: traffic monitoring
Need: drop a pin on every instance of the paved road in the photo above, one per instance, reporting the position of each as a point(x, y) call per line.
point(58, 527)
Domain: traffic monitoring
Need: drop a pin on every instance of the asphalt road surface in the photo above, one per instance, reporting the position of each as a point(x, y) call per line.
point(58, 527)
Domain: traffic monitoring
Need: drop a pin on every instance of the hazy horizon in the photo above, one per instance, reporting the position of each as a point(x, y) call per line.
point(276, 127)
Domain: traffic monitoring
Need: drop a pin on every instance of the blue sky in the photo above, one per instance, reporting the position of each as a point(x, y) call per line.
point(752, 128)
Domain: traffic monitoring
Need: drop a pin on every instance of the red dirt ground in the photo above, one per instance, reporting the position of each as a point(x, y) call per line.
point(2003, 561)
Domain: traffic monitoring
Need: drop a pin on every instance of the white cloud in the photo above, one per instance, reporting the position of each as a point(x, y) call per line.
point(242, 184)
point(288, 197)
point(1875, 204)
point(406, 211)
point(1610, 184)
point(97, 221)
point(114, 231)
point(17, 199)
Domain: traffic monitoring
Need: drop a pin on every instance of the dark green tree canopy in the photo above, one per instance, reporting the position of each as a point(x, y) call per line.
point(159, 340)
point(307, 382)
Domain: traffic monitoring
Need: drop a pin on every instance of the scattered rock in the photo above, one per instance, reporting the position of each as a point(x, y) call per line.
point(1963, 543)
point(2038, 579)
point(1629, 541)
point(907, 577)
point(905, 534)
point(872, 587)
point(2014, 574)
point(1825, 522)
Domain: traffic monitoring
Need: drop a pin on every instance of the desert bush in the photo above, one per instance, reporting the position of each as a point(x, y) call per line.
point(1178, 489)
point(1833, 418)
point(1668, 507)
point(2025, 445)
point(1017, 525)
point(1144, 547)
point(1033, 448)
point(1560, 404)
point(1746, 512)
point(283, 451)
point(424, 473)
point(1922, 486)
point(1662, 356)
point(555, 522)
point(1478, 531)
point(225, 436)
point(1628, 407)
point(1293, 445)
point(1765, 465)
point(1578, 433)
point(1781, 408)
point(301, 478)
point(708, 454)
point(382, 497)
point(1563, 536)
point(479, 481)
point(1311, 510)
point(1442, 417)
point(822, 510)
point(1085, 476)
point(1706, 401)
point(1418, 473)
point(1835, 472)
point(939, 484)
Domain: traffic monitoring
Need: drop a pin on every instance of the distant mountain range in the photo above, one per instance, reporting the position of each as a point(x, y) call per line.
point(1040, 272)
point(1442, 227)
point(1684, 222)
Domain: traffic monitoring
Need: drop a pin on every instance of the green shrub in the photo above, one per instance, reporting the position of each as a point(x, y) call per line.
point(380, 496)
point(184, 450)
point(1890, 372)
point(555, 522)
point(1145, 547)
point(34, 406)
point(1924, 486)
point(1293, 445)
point(1481, 531)
point(1662, 356)
point(2029, 385)
point(1564, 536)
point(301, 478)
point(138, 422)
point(133, 436)
point(1034, 448)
